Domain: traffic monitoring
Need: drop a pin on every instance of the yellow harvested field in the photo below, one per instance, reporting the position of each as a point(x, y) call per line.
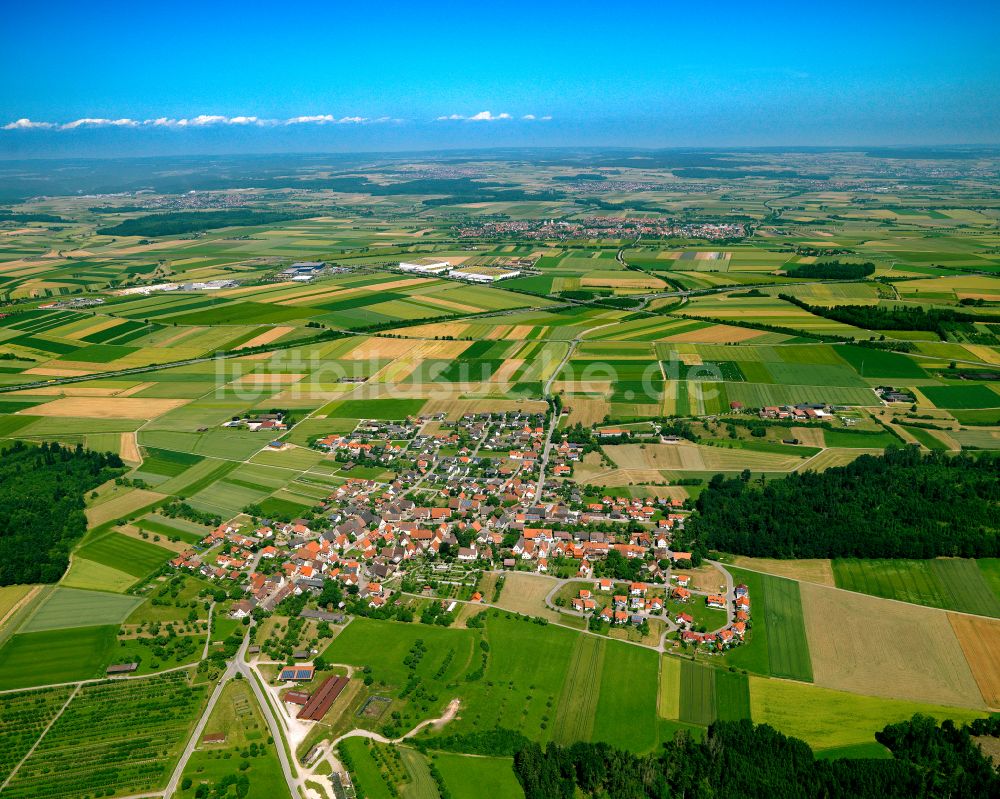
point(980, 641)
point(71, 390)
point(266, 337)
point(622, 282)
point(601, 387)
point(506, 370)
point(835, 456)
point(48, 371)
point(439, 349)
point(448, 305)
point(525, 593)
point(436, 329)
point(134, 389)
point(879, 647)
point(809, 436)
point(378, 348)
point(104, 324)
point(716, 334)
point(108, 407)
point(397, 284)
point(456, 408)
point(809, 570)
point(268, 379)
point(15, 597)
point(129, 448)
point(587, 410)
point(692, 457)
point(121, 505)
point(984, 353)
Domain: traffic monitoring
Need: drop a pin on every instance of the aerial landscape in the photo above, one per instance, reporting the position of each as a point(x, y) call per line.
point(416, 451)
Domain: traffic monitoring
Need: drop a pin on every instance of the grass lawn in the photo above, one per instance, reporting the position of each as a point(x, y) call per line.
point(72, 607)
point(474, 777)
point(54, 656)
point(365, 772)
point(126, 554)
point(948, 583)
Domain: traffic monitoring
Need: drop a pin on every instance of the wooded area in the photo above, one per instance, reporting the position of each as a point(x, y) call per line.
point(898, 505)
point(42, 492)
point(739, 759)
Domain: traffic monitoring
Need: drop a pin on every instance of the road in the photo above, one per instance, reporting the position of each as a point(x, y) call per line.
point(288, 769)
point(236, 665)
point(547, 393)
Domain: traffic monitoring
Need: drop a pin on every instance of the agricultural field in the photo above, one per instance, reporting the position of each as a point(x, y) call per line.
point(140, 729)
point(860, 644)
point(672, 302)
point(947, 583)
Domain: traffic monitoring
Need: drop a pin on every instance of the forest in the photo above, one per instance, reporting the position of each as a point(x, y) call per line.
point(738, 759)
point(173, 224)
point(898, 505)
point(833, 270)
point(42, 492)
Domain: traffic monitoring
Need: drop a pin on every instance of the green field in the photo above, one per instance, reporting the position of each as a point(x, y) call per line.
point(574, 717)
point(626, 710)
point(467, 777)
point(777, 643)
point(698, 697)
point(114, 738)
point(71, 607)
point(55, 656)
point(129, 555)
point(787, 645)
point(948, 583)
point(825, 719)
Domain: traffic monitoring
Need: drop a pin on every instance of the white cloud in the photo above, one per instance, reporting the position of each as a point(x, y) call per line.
point(99, 122)
point(315, 119)
point(26, 124)
point(486, 116)
point(200, 121)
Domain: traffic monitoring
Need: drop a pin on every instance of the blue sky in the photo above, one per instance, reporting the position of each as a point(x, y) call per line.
point(216, 76)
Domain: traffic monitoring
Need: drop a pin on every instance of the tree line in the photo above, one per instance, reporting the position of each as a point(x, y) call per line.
point(883, 317)
point(177, 222)
point(738, 759)
point(833, 270)
point(42, 492)
point(898, 505)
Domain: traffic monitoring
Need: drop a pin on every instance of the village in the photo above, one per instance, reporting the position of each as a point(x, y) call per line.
point(472, 497)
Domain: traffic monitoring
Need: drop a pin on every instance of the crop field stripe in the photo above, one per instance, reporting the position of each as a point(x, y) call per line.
point(580, 692)
point(950, 584)
point(670, 688)
point(787, 645)
point(697, 704)
point(732, 695)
